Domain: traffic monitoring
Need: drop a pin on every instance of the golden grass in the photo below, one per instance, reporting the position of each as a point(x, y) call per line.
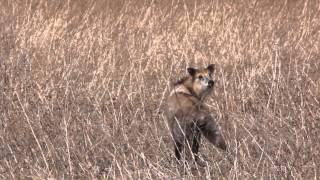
point(83, 87)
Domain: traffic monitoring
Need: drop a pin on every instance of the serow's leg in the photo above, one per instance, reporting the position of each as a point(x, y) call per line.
point(211, 132)
point(196, 142)
point(178, 149)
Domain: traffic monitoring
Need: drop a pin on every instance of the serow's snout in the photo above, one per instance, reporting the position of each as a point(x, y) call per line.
point(210, 83)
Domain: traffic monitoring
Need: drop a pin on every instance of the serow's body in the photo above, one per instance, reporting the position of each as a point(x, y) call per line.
point(188, 117)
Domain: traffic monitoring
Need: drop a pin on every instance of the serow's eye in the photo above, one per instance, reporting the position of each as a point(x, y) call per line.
point(200, 77)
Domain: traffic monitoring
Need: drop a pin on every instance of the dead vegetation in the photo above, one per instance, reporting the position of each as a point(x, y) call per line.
point(83, 84)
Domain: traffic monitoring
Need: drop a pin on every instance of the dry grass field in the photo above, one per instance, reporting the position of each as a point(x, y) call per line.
point(83, 86)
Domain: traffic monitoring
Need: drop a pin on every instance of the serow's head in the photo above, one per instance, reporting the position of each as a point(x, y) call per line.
point(202, 82)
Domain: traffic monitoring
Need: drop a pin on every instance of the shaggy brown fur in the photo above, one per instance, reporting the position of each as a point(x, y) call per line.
point(187, 114)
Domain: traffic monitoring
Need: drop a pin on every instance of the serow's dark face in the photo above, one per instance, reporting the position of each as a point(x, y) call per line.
point(202, 79)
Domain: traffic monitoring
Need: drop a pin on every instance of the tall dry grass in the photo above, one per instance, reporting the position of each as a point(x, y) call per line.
point(83, 87)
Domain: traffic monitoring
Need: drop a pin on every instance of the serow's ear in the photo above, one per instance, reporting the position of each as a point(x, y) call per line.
point(192, 71)
point(211, 68)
